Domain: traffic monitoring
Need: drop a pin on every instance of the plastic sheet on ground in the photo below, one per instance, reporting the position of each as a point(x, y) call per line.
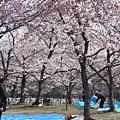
point(117, 110)
point(107, 107)
point(79, 104)
point(103, 109)
point(117, 104)
point(93, 104)
point(32, 117)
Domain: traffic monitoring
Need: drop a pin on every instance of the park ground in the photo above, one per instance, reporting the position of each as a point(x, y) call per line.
point(71, 109)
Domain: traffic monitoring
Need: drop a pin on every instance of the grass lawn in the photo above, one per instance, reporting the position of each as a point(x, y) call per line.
point(71, 109)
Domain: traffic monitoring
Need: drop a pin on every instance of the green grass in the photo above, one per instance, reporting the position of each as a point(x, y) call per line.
point(71, 109)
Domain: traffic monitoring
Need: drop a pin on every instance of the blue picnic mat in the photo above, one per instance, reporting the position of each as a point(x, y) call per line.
point(107, 107)
point(32, 117)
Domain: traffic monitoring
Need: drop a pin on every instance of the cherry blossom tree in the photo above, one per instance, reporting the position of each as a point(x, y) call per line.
point(86, 15)
point(80, 26)
point(15, 15)
point(109, 76)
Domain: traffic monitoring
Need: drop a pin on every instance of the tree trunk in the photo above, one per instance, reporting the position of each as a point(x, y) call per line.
point(69, 97)
point(86, 103)
point(110, 83)
point(111, 99)
point(40, 83)
point(39, 91)
point(22, 97)
point(86, 91)
point(82, 62)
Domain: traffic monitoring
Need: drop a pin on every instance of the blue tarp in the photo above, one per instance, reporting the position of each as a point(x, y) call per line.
point(93, 104)
point(117, 110)
point(107, 107)
point(94, 99)
point(117, 104)
point(32, 117)
point(103, 109)
point(79, 104)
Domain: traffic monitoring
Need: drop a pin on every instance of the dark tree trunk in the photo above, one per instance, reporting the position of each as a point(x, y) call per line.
point(39, 91)
point(86, 90)
point(111, 98)
point(82, 61)
point(22, 97)
point(69, 97)
point(110, 87)
point(40, 83)
point(5, 64)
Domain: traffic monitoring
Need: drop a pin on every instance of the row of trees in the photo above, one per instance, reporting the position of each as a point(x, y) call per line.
point(45, 40)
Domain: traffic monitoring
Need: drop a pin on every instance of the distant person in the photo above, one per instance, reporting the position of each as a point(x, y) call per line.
point(83, 96)
point(100, 97)
point(72, 117)
point(3, 84)
point(75, 117)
